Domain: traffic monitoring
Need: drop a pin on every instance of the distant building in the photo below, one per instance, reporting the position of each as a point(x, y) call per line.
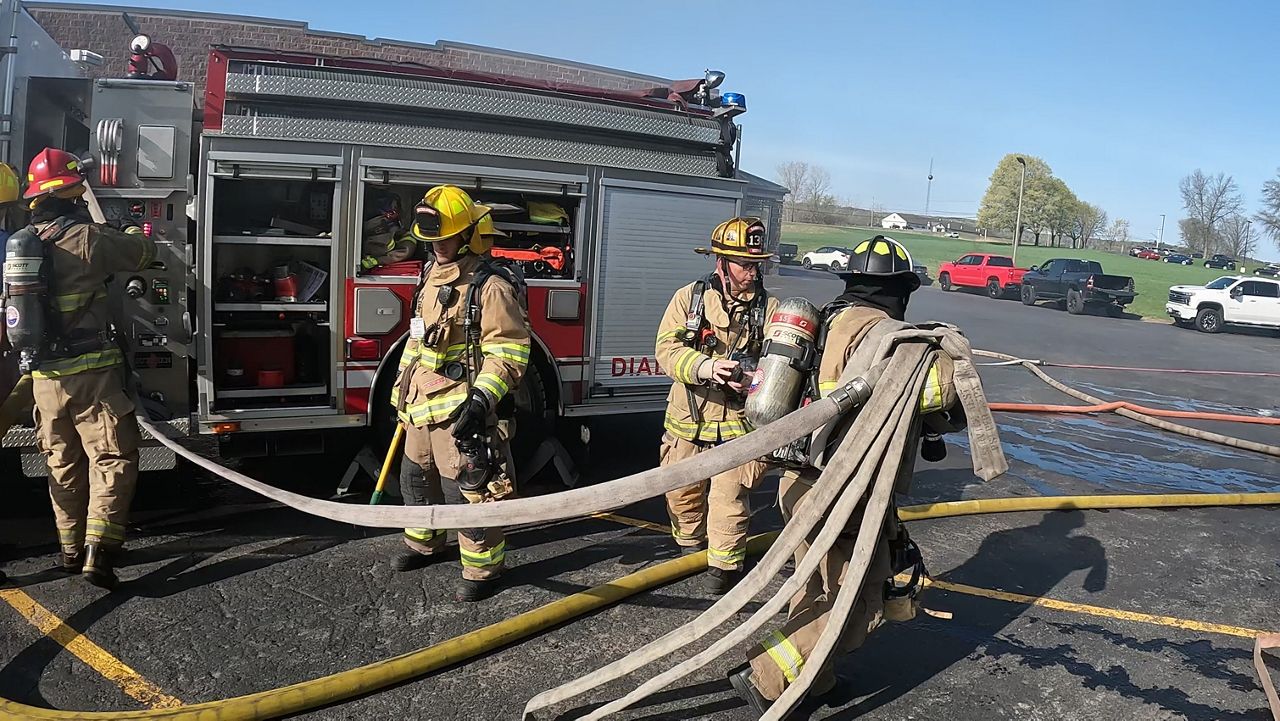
point(893, 221)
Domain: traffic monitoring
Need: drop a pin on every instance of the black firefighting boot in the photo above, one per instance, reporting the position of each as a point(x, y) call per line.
point(470, 591)
point(690, 550)
point(99, 566)
point(740, 679)
point(718, 581)
point(411, 560)
point(71, 563)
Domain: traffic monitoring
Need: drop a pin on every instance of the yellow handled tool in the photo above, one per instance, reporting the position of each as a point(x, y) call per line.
point(386, 465)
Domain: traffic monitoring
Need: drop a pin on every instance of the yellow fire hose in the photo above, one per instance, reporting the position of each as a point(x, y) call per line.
point(345, 685)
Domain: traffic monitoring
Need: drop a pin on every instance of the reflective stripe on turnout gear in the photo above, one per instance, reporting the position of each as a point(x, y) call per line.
point(70, 536)
point(431, 411)
point(95, 360)
point(732, 557)
point(483, 559)
point(686, 366)
point(422, 534)
point(71, 302)
point(105, 530)
point(492, 384)
point(784, 654)
point(514, 352)
point(430, 358)
point(708, 431)
point(931, 394)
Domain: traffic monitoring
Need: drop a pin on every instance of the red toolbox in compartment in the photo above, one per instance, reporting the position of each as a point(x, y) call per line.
point(253, 351)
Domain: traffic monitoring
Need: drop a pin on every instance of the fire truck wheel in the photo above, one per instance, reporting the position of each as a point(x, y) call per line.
point(535, 415)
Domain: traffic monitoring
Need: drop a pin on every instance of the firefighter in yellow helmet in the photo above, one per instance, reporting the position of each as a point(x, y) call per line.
point(467, 350)
point(878, 285)
point(86, 425)
point(709, 343)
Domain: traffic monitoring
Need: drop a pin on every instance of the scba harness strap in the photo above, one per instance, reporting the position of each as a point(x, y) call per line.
point(698, 333)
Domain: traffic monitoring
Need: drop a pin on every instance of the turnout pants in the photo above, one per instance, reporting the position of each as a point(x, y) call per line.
point(430, 456)
point(780, 656)
point(715, 510)
point(89, 435)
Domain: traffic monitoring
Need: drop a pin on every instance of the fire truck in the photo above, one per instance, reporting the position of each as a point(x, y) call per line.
point(263, 322)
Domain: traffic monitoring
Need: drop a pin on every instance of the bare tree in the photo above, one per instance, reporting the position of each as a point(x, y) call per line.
point(1269, 216)
point(1208, 200)
point(1238, 239)
point(817, 191)
point(1119, 231)
point(1088, 223)
point(794, 174)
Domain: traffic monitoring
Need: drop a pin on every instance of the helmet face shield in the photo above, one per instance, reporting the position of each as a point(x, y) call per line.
point(426, 221)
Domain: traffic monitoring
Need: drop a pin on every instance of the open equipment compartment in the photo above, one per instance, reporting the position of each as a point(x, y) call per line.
point(268, 262)
point(539, 225)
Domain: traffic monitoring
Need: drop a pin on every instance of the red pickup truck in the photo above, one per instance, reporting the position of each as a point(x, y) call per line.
point(995, 273)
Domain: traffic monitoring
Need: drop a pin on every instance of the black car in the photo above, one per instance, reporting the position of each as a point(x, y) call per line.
point(922, 272)
point(1225, 262)
point(1178, 258)
point(787, 253)
point(1272, 270)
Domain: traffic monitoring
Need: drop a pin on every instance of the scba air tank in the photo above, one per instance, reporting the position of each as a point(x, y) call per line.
point(24, 291)
point(786, 359)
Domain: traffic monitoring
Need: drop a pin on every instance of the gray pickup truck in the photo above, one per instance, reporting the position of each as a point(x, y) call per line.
point(1081, 283)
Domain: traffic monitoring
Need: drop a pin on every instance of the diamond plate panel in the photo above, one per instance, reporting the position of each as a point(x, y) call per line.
point(19, 437)
point(481, 142)
point(425, 94)
point(150, 458)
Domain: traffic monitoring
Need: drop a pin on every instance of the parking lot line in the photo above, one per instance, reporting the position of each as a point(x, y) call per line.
point(110, 667)
point(1113, 613)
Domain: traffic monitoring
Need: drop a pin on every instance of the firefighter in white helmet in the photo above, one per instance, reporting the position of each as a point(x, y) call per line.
point(468, 349)
point(708, 343)
point(878, 284)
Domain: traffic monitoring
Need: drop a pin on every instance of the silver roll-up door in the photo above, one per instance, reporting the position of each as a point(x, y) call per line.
point(646, 253)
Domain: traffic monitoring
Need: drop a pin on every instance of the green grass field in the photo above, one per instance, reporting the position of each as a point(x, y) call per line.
point(1151, 277)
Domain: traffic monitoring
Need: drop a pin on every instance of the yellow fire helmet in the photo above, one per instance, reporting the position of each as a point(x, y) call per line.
point(447, 211)
point(738, 238)
point(9, 190)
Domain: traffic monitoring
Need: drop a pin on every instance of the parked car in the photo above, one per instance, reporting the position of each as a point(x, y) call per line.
point(829, 257)
point(1271, 269)
point(1134, 251)
point(1229, 300)
point(1221, 261)
point(953, 234)
point(1082, 283)
point(1147, 254)
point(1178, 258)
point(787, 253)
point(922, 272)
point(995, 273)
point(1197, 255)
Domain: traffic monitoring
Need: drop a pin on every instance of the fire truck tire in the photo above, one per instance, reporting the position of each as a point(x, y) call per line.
point(535, 413)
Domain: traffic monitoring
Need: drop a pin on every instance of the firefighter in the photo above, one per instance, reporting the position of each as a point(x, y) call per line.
point(708, 343)
point(468, 348)
point(86, 425)
point(878, 285)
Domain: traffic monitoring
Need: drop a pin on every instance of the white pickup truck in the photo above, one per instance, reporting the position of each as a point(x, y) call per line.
point(1229, 300)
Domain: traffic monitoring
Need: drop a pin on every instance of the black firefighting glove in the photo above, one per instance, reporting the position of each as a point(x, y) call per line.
point(470, 417)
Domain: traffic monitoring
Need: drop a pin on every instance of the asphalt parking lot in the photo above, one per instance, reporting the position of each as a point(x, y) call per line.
point(225, 595)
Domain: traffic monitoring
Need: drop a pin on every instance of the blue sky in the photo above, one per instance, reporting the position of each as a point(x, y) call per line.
point(1120, 98)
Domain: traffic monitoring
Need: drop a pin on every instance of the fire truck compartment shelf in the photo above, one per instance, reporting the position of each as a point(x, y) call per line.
point(297, 390)
point(533, 228)
point(271, 240)
point(283, 307)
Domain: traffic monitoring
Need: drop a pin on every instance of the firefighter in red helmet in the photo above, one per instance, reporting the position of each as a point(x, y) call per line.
point(86, 425)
